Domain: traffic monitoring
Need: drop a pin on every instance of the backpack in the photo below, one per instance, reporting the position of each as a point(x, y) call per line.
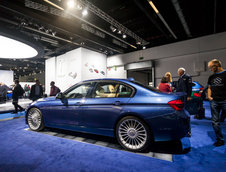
point(58, 90)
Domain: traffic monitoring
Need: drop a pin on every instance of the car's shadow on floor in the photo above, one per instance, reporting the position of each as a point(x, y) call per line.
point(169, 147)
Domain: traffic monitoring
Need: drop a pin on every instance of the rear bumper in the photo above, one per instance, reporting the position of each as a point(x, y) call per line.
point(173, 126)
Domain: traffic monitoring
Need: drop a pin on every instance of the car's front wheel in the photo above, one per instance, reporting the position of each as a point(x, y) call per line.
point(35, 119)
point(133, 134)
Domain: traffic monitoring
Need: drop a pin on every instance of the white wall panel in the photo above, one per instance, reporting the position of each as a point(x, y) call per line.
point(75, 66)
point(93, 64)
point(50, 73)
point(116, 72)
point(68, 69)
point(6, 77)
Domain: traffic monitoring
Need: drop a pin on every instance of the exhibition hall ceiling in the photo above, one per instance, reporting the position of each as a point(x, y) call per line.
point(106, 26)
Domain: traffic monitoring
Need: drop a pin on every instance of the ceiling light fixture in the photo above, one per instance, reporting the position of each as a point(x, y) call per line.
point(79, 7)
point(153, 6)
point(84, 12)
point(124, 36)
point(54, 33)
point(113, 29)
point(11, 48)
point(57, 6)
point(161, 18)
point(71, 3)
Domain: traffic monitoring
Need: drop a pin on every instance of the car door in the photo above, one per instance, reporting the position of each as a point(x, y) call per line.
point(103, 107)
point(66, 112)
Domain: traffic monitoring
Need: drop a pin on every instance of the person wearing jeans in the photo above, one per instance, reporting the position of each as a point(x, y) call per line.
point(217, 97)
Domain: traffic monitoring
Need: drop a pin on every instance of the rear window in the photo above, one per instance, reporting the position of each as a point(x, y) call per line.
point(147, 87)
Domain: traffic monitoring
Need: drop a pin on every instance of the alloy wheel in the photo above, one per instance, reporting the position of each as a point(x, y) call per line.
point(133, 134)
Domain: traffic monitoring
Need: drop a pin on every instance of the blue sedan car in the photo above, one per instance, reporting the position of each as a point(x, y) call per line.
point(133, 113)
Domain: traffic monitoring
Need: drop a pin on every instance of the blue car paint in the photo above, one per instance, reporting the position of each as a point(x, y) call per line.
point(9, 96)
point(100, 115)
point(197, 86)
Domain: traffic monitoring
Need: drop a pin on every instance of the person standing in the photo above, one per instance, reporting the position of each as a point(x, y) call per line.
point(53, 89)
point(217, 97)
point(36, 91)
point(164, 85)
point(184, 84)
point(26, 89)
point(17, 92)
point(168, 76)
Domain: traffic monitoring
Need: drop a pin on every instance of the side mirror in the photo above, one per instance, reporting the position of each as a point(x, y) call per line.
point(60, 95)
point(62, 98)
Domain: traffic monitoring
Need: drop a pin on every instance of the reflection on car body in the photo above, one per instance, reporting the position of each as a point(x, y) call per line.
point(136, 115)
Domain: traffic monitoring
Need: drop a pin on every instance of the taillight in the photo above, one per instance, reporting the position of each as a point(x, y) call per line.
point(201, 88)
point(176, 104)
point(197, 95)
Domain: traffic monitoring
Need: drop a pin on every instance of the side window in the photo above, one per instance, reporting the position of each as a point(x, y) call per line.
point(105, 89)
point(79, 91)
point(124, 91)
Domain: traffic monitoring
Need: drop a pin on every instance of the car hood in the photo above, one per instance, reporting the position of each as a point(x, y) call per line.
point(46, 99)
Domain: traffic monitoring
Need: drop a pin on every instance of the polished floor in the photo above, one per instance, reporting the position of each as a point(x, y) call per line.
point(8, 106)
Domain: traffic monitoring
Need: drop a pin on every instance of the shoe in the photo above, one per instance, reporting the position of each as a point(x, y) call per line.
point(13, 112)
point(219, 143)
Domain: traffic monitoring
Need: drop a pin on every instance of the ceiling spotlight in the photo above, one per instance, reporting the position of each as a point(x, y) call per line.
point(113, 29)
point(144, 47)
point(138, 43)
point(54, 33)
point(124, 36)
point(41, 28)
point(119, 32)
point(23, 23)
point(71, 3)
point(84, 12)
point(79, 7)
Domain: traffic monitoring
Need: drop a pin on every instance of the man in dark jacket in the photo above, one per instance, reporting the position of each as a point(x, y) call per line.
point(184, 84)
point(17, 92)
point(36, 91)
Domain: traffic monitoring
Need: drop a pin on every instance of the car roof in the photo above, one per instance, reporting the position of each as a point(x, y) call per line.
point(107, 79)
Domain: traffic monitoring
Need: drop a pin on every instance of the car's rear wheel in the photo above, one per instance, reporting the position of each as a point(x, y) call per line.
point(133, 134)
point(35, 119)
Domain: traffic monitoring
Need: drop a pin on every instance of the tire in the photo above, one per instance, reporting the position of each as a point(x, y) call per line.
point(133, 134)
point(35, 119)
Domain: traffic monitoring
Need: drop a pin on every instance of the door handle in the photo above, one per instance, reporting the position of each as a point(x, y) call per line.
point(117, 103)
